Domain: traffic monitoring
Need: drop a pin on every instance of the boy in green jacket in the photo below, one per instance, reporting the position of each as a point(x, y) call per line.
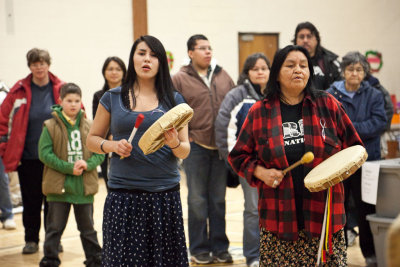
point(69, 176)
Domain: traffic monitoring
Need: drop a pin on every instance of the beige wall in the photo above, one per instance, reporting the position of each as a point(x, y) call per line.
point(81, 34)
point(344, 26)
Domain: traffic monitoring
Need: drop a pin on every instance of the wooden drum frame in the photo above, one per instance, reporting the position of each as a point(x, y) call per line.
point(336, 168)
point(177, 117)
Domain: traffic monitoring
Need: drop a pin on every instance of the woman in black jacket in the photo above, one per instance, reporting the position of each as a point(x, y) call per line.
point(114, 71)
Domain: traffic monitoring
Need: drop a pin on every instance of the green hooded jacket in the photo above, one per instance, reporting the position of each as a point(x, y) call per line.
point(60, 146)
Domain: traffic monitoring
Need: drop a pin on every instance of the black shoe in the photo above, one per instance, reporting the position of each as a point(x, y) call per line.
point(202, 258)
point(94, 261)
point(49, 263)
point(30, 248)
point(224, 257)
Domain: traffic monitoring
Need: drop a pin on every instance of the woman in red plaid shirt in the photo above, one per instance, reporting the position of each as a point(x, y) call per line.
point(293, 119)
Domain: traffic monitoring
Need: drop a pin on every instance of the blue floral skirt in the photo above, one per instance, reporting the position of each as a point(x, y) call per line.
point(143, 229)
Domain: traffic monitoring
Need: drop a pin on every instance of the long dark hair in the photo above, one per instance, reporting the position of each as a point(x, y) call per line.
point(249, 64)
point(120, 63)
point(163, 81)
point(273, 86)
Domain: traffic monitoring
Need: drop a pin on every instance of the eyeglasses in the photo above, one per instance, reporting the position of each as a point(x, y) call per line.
point(305, 36)
point(38, 65)
point(258, 69)
point(351, 70)
point(113, 69)
point(203, 48)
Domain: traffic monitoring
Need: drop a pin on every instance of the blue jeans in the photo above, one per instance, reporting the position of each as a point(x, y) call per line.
point(251, 230)
point(5, 199)
point(206, 180)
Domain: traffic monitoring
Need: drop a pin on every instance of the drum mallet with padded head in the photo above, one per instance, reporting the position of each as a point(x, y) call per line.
point(139, 120)
point(306, 158)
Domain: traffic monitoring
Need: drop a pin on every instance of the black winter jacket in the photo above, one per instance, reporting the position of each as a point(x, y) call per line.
point(326, 69)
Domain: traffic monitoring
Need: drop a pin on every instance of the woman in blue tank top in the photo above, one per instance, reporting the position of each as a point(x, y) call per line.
point(142, 221)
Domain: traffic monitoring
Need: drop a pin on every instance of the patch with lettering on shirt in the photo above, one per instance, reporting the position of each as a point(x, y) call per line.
point(293, 133)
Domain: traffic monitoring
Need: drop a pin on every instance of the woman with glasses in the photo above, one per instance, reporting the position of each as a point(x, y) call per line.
point(232, 113)
point(365, 107)
point(114, 72)
point(26, 107)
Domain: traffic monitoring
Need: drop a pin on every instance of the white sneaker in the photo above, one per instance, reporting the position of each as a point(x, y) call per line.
point(254, 264)
point(9, 224)
point(351, 237)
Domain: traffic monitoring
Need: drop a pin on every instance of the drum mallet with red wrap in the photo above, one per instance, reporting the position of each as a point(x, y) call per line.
point(306, 158)
point(139, 120)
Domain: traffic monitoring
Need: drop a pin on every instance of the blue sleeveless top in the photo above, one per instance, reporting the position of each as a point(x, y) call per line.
point(155, 172)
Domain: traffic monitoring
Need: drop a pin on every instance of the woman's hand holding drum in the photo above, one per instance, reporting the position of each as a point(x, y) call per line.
point(171, 138)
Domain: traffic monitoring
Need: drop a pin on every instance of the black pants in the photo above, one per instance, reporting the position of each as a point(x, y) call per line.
point(353, 186)
point(57, 219)
point(30, 174)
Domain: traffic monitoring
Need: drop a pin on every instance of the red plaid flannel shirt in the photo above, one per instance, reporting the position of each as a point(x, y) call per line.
point(327, 130)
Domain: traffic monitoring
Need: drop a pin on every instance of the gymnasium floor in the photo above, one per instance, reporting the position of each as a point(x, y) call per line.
point(11, 242)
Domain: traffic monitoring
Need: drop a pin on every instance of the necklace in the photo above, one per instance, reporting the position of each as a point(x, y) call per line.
point(142, 102)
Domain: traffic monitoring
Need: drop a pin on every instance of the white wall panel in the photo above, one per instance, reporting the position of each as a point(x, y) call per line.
point(344, 26)
point(79, 36)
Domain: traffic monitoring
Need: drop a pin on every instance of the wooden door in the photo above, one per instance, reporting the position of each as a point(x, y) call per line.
point(250, 43)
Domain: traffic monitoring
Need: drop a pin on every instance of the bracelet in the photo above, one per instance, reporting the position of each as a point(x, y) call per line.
point(101, 146)
point(177, 145)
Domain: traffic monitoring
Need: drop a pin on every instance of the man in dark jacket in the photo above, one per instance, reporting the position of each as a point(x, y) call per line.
point(325, 63)
point(204, 86)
